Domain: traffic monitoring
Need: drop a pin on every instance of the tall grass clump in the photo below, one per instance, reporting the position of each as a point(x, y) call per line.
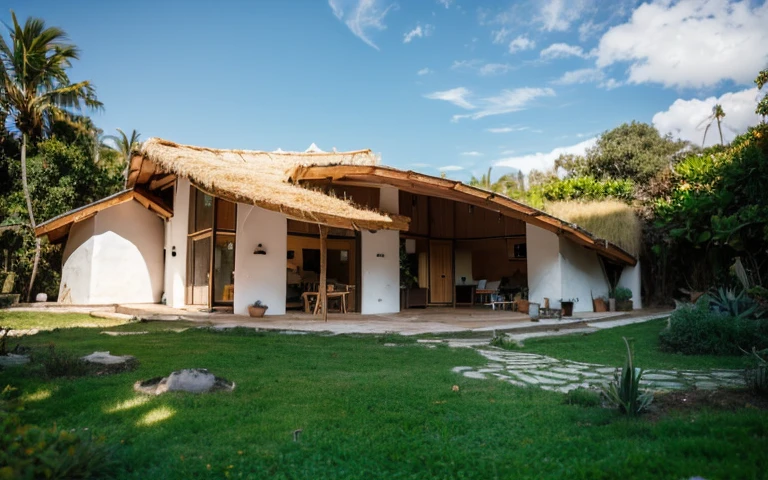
point(612, 220)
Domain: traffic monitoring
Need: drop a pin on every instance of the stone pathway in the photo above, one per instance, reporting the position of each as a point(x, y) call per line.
point(530, 369)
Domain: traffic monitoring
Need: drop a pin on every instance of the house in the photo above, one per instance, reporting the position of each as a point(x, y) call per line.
point(208, 227)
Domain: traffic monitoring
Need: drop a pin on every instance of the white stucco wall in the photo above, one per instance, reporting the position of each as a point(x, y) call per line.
point(380, 281)
point(581, 274)
point(75, 285)
point(630, 278)
point(121, 261)
point(544, 272)
point(260, 277)
point(176, 230)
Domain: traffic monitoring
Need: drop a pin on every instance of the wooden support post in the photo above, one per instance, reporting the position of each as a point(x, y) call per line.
point(323, 297)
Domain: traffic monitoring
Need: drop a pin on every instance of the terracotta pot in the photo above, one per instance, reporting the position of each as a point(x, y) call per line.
point(567, 308)
point(522, 306)
point(599, 305)
point(256, 312)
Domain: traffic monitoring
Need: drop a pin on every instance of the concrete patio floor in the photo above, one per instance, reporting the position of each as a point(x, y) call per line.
point(435, 320)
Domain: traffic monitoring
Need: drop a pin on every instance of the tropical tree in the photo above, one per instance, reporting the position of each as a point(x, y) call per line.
point(762, 104)
point(124, 144)
point(36, 92)
point(717, 115)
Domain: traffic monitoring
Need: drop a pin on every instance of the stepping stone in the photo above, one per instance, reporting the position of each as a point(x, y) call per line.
point(668, 385)
point(606, 369)
point(549, 381)
point(489, 370)
point(658, 376)
point(593, 375)
point(196, 380)
point(121, 334)
point(526, 378)
point(723, 374)
point(13, 360)
point(104, 358)
point(570, 370)
point(517, 384)
point(559, 376)
point(460, 369)
point(471, 374)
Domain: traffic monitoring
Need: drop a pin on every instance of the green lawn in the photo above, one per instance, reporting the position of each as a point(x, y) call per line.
point(27, 320)
point(367, 411)
point(606, 347)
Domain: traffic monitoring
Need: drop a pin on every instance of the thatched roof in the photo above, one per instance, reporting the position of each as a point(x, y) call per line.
point(262, 179)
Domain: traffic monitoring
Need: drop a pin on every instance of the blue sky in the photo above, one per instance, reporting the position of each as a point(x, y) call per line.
point(432, 85)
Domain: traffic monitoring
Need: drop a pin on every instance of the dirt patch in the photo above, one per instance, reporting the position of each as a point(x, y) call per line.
point(688, 401)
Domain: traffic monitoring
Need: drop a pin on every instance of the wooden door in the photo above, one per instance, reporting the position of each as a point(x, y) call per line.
point(441, 272)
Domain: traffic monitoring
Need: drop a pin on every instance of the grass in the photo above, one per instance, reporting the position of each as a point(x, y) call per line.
point(50, 321)
point(610, 219)
point(366, 409)
point(606, 347)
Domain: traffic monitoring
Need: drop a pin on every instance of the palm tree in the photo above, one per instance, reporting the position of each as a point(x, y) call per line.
point(35, 92)
point(124, 145)
point(717, 115)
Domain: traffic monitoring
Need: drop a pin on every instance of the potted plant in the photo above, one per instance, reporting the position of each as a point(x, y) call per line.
point(257, 310)
point(623, 298)
point(567, 305)
point(522, 302)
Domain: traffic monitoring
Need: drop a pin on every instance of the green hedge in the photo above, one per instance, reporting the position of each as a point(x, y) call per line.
point(696, 330)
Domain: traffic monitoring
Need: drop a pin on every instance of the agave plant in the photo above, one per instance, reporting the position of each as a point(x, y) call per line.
point(738, 305)
point(624, 391)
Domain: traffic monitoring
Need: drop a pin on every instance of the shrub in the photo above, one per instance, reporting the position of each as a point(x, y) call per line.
point(697, 330)
point(624, 391)
point(586, 188)
point(582, 397)
point(6, 301)
point(30, 451)
point(56, 363)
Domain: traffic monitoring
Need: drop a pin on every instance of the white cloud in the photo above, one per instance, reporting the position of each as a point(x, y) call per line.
point(424, 71)
point(494, 69)
point(500, 36)
point(482, 69)
point(361, 16)
point(562, 50)
point(584, 75)
point(507, 129)
point(457, 96)
point(691, 43)
point(558, 15)
point(521, 43)
point(610, 84)
point(445, 3)
point(418, 32)
point(472, 154)
point(687, 119)
point(450, 168)
point(507, 101)
point(543, 161)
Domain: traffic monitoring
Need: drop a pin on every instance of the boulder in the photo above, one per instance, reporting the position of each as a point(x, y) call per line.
point(195, 380)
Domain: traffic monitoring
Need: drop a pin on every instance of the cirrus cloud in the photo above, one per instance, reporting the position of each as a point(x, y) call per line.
point(507, 101)
point(361, 16)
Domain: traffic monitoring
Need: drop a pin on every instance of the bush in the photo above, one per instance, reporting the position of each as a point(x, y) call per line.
point(622, 294)
point(582, 397)
point(697, 330)
point(56, 363)
point(586, 188)
point(30, 451)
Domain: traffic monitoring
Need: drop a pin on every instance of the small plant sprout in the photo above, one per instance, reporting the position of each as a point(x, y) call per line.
point(624, 391)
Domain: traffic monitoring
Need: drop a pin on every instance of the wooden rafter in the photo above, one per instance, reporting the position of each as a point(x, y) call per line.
point(451, 190)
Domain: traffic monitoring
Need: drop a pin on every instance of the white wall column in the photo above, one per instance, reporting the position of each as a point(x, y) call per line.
point(177, 229)
point(380, 256)
point(630, 278)
point(544, 273)
point(582, 275)
point(260, 277)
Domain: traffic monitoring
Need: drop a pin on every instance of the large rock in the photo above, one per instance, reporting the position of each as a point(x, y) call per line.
point(196, 380)
point(104, 358)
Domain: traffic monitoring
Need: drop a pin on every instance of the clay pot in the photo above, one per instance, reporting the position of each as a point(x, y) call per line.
point(256, 312)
